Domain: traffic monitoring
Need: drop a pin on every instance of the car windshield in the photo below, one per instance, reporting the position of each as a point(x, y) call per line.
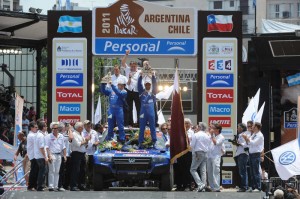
point(132, 138)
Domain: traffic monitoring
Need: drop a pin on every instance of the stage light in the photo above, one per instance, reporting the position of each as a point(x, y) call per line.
point(12, 50)
point(4, 50)
point(39, 10)
point(1, 51)
point(160, 88)
point(185, 88)
point(32, 10)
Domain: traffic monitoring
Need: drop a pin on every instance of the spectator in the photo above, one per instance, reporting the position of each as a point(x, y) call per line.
point(100, 132)
point(278, 194)
point(164, 130)
point(31, 114)
point(22, 150)
point(32, 185)
point(25, 124)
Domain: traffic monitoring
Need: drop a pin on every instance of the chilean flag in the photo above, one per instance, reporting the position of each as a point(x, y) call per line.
point(220, 23)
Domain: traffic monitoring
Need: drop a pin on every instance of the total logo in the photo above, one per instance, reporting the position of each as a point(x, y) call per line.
point(219, 96)
point(223, 121)
point(219, 80)
point(69, 95)
point(69, 119)
point(219, 65)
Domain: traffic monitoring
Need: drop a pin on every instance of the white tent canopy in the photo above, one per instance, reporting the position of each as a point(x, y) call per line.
point(270, 26)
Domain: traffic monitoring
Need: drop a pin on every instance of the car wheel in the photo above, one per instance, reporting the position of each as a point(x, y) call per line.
point(98, 181)
point(167, 180)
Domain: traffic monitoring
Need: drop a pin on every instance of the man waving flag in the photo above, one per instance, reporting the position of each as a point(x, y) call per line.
point(179, 144)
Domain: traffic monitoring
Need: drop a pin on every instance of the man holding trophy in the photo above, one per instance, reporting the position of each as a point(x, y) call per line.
point(117, 100)
point(148, 102)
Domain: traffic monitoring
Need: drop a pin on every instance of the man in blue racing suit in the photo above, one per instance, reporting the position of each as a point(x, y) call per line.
point(147, 111)
point(117, 100)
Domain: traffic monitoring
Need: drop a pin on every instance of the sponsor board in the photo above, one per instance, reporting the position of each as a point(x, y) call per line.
point(227, 132)
point(144, 28)
point(223, 121)
point(219, 80)
point(69, 94)
point(220, 65)
point(69, 49)
point(290, 118)
point(69, 109)
point(69, 79)
point(219, 109)
point(69, 64)
point(226, 177)
point(220, 49)
point(69, 119)
point(219, 96)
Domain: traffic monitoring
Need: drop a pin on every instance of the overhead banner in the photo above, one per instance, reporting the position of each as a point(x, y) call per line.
point(144, 28)
point(19, 103)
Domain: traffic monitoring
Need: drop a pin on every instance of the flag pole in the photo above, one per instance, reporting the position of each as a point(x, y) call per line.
point(255, 17)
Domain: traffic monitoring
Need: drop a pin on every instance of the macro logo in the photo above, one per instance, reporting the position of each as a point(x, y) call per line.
point(219, 80)
point(69, 109)
point(287, 158)
point(69, 95)
point(69, 119)
point(223, 121)
point(219, 109)
point(69, 79)
point(219, 95)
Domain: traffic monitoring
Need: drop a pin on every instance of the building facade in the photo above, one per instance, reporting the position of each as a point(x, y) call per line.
point(10, 5)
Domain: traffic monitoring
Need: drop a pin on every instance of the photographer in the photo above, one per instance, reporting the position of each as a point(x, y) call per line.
point(242, 155)
point(291, 192)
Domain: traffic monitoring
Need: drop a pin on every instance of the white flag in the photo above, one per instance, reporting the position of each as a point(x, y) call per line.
point(98, 112)
point(249, 113)
point(260, 114)
point(134, 113)
point(287, 159)
point(165, 94)
point(161, 118)
point(256, 100)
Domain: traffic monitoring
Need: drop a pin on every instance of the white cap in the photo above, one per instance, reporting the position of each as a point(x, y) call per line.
point(121, 81)
point(147, 80)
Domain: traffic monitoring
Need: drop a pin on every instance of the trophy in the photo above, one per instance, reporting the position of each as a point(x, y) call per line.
point(147, 70)
point(106, 78)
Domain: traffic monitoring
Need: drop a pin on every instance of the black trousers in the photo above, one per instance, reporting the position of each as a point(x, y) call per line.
point(40, 178)
point(239, 181)
point(78, 169)
point(132, 97)
point(90, 171)
point(67, 176)
point(34, 169)
point(182, 171)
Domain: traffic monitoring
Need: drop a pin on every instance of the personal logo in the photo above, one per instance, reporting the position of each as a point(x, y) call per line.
point(69, 24)
point(69, 79)
point(219, 80)
point(131, 160)
point(219, 96)
point(220, 65)
point(287, 158)
point(125, 22)
point(69, 95)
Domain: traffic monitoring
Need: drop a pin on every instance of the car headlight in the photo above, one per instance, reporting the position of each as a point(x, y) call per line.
point(105, 158)
point(159, 159)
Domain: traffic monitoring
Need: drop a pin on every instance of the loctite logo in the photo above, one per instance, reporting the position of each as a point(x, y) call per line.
point(223, 121)
point(219, 95)
point(69, 95)
point(69, 119)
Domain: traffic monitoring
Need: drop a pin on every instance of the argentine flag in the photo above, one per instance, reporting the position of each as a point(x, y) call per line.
point(70, 24)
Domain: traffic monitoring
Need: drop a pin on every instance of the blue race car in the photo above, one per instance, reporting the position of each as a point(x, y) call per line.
point(131, 166)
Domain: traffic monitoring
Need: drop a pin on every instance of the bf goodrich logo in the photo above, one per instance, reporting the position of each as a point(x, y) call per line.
point(219, 96)
point(69, 95)
point(125, 22)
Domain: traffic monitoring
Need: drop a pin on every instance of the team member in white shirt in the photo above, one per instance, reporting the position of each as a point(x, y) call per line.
point(132, 74)
point(242, 156)
point(55, 146)
point(256, 146)
point(200, 145)
point(30, 152)
point(78, 147)
point(90, 150)
point(214, 157)
point(40, 156)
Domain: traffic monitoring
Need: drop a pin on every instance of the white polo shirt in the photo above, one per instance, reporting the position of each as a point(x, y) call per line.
point(76, 142)
point(217, 149)
point(90, 150)
point(256, 144)
point(115, 79)
point(38, 144)
point(30, 144)
point(200, 142)
point(55, 144)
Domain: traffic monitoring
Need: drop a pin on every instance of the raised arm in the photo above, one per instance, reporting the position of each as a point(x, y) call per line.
point(104, 89)
point(140, 85)
point(154, 85)
point(123, 62)
point(118, 92)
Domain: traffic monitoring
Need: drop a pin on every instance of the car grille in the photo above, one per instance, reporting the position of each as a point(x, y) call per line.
point(132, 164)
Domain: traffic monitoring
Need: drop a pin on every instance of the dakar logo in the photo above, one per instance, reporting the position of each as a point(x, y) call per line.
point(125, 22)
